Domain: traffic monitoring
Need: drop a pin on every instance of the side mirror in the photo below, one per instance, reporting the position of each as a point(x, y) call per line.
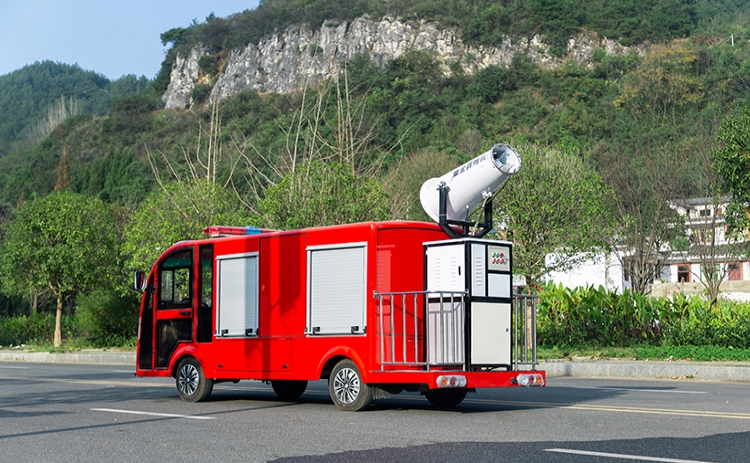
point(139, 280)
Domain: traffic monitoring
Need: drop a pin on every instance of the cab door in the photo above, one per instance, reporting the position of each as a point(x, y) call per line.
point(174, 298)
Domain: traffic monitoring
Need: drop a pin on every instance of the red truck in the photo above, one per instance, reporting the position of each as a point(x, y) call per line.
point(374, 308)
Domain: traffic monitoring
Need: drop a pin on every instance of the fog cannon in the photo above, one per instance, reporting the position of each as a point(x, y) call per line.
point(450, 199)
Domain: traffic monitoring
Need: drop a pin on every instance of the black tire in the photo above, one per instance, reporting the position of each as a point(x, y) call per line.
point(348, 392)
point(289, 390)
point(446, 398)
point(192, 384)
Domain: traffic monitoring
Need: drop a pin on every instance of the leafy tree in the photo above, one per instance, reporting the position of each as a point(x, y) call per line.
point(130, 115)
point(404, 181)
point(320, 193)
point(64, 242)
point(732, 161)
point(665, 83)
point(175, 36)
point(558, 206)
point(180, 211)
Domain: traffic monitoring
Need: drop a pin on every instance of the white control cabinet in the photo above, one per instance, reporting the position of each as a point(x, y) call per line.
point(473, 330)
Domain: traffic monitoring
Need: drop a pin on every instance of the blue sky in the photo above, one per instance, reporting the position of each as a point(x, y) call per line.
point(113, 38)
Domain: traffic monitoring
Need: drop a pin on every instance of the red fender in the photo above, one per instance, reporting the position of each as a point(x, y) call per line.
point(184, 350)
point(347, 352)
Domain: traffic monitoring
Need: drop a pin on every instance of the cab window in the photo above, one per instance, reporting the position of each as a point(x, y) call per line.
point(175, 275)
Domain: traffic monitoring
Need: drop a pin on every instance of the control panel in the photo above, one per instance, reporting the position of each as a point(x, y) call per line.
point(498, 258)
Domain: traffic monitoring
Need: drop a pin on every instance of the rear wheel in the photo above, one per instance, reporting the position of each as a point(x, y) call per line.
point(192, 384)
point(446, 398)
point(348, 391)
point(289, 390)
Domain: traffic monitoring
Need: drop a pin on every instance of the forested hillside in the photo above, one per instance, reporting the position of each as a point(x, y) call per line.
point(617, 139)
point(29, 94)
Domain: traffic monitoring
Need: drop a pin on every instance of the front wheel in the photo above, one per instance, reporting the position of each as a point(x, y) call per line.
point(192, 384)
point(289, 390)
point(348, 391)
point(446, 398)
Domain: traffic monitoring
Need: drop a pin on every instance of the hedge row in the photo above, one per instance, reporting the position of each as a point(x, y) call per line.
point(36, 329)
point(594, 316)
point(565, 318)
point(101, 320)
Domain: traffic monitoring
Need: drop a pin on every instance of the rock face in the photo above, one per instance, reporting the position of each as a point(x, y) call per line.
point(183, 79)
point(299, 56)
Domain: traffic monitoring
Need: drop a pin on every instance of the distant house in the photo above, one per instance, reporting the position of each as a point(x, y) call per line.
point(682, 271)
point(599, 270)
point(709, 247)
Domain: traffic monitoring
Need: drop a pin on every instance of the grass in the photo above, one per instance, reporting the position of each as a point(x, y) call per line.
point(687, 353)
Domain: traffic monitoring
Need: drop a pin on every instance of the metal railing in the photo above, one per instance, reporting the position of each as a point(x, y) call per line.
point(402, 326)
point(524, 331)
point(426, 328)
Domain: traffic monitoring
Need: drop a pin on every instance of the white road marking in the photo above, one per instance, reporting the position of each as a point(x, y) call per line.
point(166, 415)
point(630, 389)
point(17, 368)
point(623, 457)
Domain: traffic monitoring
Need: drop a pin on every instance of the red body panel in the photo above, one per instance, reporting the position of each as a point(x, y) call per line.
point(282, 349)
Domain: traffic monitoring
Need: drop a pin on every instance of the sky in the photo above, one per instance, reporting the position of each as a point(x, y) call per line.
point(111, 37)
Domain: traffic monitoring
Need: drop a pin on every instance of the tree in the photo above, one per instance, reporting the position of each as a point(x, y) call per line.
point(64, 242)
point(663, 85)
point(404, 180)
point(63, 172)
point(556, 210)
point(644, 185)
point(710, 242)
point(732, 161)
point(179, 211)
point(323, 193)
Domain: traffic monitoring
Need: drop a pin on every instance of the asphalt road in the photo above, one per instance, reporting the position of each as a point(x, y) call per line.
point(91, 413)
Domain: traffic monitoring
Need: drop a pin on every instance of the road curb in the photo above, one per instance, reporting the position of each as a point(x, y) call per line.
point(718, 371)
point(83, 357)
point(649, 370)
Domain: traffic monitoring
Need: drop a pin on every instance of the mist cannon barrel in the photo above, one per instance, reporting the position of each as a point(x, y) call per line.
point(469, 184)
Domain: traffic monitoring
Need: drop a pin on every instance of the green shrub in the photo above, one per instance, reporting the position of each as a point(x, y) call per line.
point(200, 93)
point(35, 329)
point(315, 49)
point(208, 65)
point(108, 319)
point(594, 316)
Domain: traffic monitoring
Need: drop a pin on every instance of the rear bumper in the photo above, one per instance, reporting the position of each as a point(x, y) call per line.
point(474, 379)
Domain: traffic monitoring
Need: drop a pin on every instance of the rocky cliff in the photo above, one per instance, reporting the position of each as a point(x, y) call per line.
point(300, 56)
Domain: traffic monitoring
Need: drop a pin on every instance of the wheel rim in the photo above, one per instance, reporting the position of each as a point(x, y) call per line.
point(188, 379)
point(346, 385)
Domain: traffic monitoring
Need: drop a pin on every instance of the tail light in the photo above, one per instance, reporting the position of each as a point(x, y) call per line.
point(451, 381)
point(530, 379)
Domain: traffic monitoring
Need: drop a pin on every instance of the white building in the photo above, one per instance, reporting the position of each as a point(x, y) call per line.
point(683, 271)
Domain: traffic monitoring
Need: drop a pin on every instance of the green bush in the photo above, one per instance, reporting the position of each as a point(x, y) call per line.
point(594, 316)
point(35, 329)
point(208, 65)
point(200, 93)
point(108, 319)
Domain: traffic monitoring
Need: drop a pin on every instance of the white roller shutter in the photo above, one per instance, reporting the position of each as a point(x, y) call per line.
point(338, 282)
point(237, 313)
